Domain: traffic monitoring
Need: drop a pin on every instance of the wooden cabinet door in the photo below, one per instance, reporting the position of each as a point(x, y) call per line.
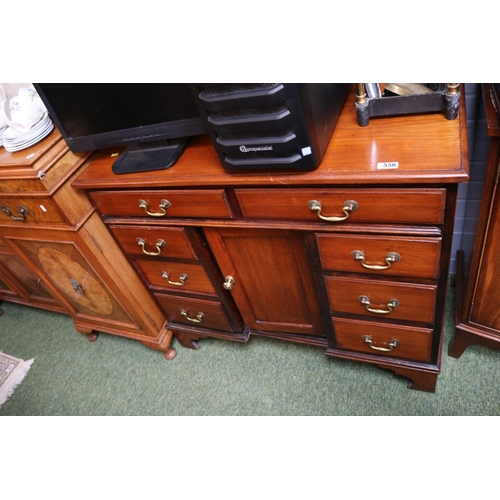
point(30, 286)
point(273, 285)
point(72, 277)
point(485, 308)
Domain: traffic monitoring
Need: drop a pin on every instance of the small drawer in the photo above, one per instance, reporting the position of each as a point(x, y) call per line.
point(194, 312)
point(158, 204)
point(176, 276)
point(385, 255)
point(386, 340)
point(24, 211)
point(154, 242)
point(382, 299)
point(337, 206)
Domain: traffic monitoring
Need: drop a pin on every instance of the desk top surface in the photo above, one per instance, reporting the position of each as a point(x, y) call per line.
point(427, 149)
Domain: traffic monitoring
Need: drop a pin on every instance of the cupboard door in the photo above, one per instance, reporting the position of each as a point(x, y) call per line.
point(273, 285)
point(485, 310)
point(68, 272)
point(30, 286)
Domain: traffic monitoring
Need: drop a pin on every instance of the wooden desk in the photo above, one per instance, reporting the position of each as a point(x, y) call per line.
point(234, 255)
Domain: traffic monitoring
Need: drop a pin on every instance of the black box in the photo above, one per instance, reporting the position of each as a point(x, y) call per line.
point(270, 126)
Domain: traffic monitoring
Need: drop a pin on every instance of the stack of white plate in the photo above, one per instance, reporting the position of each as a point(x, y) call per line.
point(14, 140)
point(2, 130)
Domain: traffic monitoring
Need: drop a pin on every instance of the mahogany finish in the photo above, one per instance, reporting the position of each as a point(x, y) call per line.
point(56, 253)
point(478, 290)
point(277, 267)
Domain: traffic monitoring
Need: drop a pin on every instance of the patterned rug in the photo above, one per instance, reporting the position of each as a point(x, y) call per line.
point(12, 372)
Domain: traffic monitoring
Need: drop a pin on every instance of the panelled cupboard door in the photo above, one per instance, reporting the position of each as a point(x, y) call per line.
point(29, 285)
point(64, 266)
point(273, 285)
point(485, 308)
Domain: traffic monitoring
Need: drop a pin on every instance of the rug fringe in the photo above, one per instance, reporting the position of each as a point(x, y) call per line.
point(14, 379)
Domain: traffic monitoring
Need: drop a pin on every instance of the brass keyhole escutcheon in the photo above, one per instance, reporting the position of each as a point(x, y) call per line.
point(229, 283)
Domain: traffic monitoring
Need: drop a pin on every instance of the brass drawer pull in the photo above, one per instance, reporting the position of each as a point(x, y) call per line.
point(390, 305)
point(198, 319)
point(349, 206)
point(392, 344)
point(182, 279)
point(159, 243)
point(23, 211)
point(390, 258)
point(164, 205)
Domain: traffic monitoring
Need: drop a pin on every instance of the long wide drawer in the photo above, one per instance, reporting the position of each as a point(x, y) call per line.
point(154, 242)
point(386, 255)
point(387, 340)
point(194, 312)
point(385, 206)
point(168, 203)
point(374, 298)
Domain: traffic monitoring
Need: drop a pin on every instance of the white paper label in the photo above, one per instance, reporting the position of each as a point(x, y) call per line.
point(43, 208)
point(387, 164)
point(306, 151)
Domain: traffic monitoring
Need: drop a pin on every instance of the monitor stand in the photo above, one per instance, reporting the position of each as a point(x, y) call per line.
point(150, 156)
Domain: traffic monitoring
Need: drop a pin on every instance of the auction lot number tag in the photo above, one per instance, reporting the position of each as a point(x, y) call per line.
point(387, 164)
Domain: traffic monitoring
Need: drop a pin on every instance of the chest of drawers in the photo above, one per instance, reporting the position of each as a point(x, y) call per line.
point(352, 257)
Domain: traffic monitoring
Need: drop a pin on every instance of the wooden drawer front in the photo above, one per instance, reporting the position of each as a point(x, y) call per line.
point(176, 276)
point(28, 211)
point(386, 206)
point(386, 340)
point(202, 204)
point(194, 312)
point(416, 257)
point(416, 302)
point(176, 241)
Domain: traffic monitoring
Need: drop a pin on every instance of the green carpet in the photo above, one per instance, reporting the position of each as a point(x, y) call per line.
point(117, 376)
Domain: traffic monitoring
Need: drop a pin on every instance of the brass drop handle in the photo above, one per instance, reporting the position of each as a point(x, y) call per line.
point(229, 283)
point(23, 211)
point(392, 344)
point(197, 319)
point(390, 258)
point(349, 206)
point(182, 279)
point(391, 304)
point(164, 205)
point(159, 243)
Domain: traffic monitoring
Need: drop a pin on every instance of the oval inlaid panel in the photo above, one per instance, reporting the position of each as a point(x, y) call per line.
point(74, 281)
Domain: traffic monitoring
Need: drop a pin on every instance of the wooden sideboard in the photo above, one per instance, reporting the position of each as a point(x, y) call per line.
point(56, 253)
point(352, 257)
point(478, 291)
